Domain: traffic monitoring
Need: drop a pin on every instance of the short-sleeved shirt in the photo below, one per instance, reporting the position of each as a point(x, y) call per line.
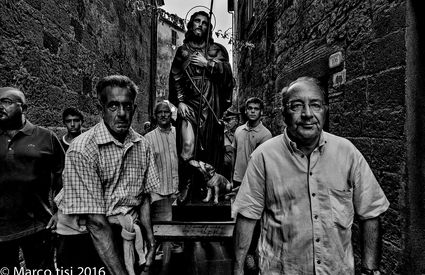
point(307, 207)
point(105, 176)
point(31, 164)
point(165, 152)
point(245, 142)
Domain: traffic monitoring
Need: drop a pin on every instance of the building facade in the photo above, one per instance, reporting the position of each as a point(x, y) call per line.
point(170, 36)
point(57, 50)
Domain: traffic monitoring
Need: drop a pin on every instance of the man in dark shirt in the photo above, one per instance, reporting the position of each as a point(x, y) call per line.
point(31, 163)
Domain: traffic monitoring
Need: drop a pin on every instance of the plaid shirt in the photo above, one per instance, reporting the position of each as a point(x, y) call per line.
point(104, 176)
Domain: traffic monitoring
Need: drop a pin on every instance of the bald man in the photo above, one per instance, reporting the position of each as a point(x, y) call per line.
point(31, 163)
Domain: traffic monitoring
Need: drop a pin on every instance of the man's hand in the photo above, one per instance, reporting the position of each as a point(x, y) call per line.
point(232, 193)
point(103, 239)
point(150, 255)
point(183, 110)
point(52, 223)
point(198, 59)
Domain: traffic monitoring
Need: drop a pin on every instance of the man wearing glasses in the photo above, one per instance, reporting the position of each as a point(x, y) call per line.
point(31, 163)
point(306, 185)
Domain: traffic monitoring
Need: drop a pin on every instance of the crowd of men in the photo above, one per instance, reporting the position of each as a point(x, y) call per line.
point(294, 196)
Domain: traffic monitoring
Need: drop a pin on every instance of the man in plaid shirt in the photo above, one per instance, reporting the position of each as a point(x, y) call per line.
point(108, 176)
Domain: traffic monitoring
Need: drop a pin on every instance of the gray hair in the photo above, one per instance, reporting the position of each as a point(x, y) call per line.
point(307, 79)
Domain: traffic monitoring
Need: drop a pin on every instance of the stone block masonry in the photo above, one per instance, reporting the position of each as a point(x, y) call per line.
point(57, 50)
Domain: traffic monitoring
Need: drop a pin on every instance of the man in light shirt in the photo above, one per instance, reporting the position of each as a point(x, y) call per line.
point(306, 186)
point(163, 141)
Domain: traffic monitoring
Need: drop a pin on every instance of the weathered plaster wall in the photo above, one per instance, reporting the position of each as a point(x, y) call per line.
point(56, 50)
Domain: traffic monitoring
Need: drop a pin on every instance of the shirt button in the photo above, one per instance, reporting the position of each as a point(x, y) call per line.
point(318, 262)
point(311, 173)
point(10, 149)
point(316, 217)
point(302, 156)
point(8, 140)
point(314, 194)
point(317, 240)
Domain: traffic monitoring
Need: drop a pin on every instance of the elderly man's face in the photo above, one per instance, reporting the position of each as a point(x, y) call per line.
point(305, 113)
point(163, 116)
point(12, 106)
point(118, 111)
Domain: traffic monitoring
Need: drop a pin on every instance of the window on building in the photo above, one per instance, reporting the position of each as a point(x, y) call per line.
point(173, 37)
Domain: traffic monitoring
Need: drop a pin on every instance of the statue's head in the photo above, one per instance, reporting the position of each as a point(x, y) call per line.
point(197, 28)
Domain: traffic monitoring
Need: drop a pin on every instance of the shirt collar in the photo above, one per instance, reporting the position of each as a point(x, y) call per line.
point(255, 129)
point(292, 146)
point(167, 131)
point(103, 136)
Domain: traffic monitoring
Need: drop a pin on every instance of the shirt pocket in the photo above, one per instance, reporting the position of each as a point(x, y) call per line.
point(342, 207)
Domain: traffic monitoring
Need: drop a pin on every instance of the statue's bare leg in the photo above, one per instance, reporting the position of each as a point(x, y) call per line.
point(187, 153)
point(188, 140)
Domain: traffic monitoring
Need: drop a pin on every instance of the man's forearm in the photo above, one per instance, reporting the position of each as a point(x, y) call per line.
point(103, 240)
point(242, 236)
point(371, 243)
point(145, 219)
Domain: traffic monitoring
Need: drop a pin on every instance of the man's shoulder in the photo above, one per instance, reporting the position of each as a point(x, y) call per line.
point(264, 130)
point(84, 140)
point(40, 130)
point(339, 144)
point(240, 128)
point(270, 145)
point(333, 139)
point(273, 142)
point(149, 135)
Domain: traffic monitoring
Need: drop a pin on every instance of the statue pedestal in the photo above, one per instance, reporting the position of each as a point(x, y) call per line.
point(202, 211)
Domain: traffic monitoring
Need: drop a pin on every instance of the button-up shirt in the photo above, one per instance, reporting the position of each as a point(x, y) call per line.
point(31, 164)
point(163, 142)
point(105, 176)
point(307, 205)
point(245, 141)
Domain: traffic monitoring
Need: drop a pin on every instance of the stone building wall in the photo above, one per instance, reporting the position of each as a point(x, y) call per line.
point(56, 50)
point(296, 37)
point(166, 52)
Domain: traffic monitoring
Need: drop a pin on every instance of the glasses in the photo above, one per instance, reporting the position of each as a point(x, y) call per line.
point(5, 102)
point(298, 107)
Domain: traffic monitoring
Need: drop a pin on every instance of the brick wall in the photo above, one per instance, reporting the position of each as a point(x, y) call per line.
point(294, 38)
point(56, 50)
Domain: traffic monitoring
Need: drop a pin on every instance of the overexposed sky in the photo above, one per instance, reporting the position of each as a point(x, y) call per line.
point(223, 18)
